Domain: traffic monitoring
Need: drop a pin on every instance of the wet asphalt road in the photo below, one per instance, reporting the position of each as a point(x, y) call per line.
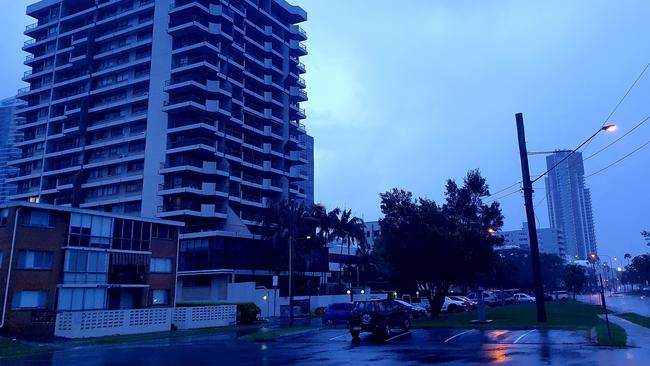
point(621, 303)
point(334, 347)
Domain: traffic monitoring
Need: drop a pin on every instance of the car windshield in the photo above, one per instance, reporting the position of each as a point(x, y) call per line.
point(404, 303)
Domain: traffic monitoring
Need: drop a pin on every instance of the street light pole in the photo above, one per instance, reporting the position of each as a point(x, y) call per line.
point(530, 216)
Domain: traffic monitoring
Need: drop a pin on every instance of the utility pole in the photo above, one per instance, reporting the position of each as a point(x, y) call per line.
point(530, 216)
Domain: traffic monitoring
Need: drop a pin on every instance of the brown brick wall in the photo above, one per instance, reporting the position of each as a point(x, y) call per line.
point(49, 239)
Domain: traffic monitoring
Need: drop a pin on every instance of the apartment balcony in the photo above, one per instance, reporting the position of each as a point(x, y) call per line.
point(297, 32)
point(301, 96)
point(190, 208)
point(207, 66)
point(133, 44)
point(298, 112)
point(197, 25)
point(40, 25)
point(196, 125)
point(110, 179)
point(112, 103)
point(190, 103)
point(95, 202)
point(196, 84)
point(192, 188)
point(208, 9)
point(144, 5)
point(195, 165)
point(194, 145)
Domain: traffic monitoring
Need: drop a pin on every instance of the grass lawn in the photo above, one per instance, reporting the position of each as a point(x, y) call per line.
point(561, 315)
point(270, 335)
point(9, 348)
point(641, 320)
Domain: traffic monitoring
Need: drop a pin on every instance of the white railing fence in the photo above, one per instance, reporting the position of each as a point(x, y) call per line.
point(205, 316)
point(99, 323)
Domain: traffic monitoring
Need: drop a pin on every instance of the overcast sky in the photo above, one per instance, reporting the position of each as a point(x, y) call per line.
point(408, 94)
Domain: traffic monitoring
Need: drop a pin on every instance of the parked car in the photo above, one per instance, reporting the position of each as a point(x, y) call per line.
point(489, 298)
point(338, 313)
point(505, 297)
point(548, 297)
point(469, 304)
point(378, 317)
point(521, 297)
point(453, 306)
point(414, 310)
point(562, 295)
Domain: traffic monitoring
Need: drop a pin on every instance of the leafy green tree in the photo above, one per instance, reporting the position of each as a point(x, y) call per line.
point(574, 278)
point(638, 271)
point(431, 247)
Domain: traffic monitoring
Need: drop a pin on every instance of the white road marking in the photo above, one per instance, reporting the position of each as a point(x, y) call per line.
point(523, 335)
point(397, 336)
point(457, 335)
point(337, 337)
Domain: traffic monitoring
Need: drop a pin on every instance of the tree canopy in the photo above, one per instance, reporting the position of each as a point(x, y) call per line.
point(430, 247)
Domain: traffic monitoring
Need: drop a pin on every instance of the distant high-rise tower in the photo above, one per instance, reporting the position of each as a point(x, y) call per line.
point(8, 138)
point(569, 203)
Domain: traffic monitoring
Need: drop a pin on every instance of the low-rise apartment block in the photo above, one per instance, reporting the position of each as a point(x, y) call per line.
point(55, 259)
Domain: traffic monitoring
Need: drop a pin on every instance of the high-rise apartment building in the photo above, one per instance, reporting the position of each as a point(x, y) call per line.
point(182, 110)
point(569, 203)
point(8, 138)
point(174, 109)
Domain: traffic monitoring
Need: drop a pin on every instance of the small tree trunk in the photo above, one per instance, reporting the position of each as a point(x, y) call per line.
point(437, 299)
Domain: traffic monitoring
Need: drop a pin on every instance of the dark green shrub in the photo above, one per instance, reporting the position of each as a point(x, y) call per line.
point(319, 311)
point(247, 313)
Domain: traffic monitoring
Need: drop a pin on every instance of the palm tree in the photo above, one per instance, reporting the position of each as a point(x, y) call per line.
point(285, 222)
point(348, 229)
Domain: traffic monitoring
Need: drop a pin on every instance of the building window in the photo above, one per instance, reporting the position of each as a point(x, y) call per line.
point(30, 299)
point(160, 297)
point(82, 299)
point(163, 232)
point(160, 265)
point(37, 218)
point(28, 259)
point(90, 231)
point(85, 266)
point(131, 235)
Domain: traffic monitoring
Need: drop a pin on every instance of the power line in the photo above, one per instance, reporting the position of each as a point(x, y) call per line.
point(619, 160)
point(503, 190)
point(622, 99)
point(504, 196)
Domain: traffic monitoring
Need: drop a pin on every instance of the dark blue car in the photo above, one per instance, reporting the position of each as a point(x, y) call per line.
point(338, 313)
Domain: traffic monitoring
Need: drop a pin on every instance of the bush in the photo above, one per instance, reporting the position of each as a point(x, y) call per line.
point(247, 313)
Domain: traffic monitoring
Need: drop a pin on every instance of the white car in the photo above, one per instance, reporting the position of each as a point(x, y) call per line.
point(452, 306)
point(519, 297)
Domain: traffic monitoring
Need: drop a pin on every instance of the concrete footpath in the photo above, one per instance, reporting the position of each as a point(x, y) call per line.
point(637, 336)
